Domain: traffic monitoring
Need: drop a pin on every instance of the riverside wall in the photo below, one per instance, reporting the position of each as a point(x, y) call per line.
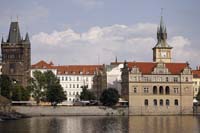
point(70, 110)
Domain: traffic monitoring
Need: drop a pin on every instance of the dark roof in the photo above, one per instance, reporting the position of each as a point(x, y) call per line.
point(14, 33)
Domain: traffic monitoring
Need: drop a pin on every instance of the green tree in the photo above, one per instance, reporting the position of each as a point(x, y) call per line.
point(5, 86)
point(54, 91)
point(37, 85)
point(86, 94)
point(109, 97)
point(46, 87)
point(55, 94)
point(19, 93)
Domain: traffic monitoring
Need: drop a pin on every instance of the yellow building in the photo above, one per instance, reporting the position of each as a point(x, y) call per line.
point(160, 87)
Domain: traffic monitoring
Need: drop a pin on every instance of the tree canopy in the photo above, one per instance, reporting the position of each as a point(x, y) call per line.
point(46, 87)
point(109, 97)
point(86, 94)
point(5, 86)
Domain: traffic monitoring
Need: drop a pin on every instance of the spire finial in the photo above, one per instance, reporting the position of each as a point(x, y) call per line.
point(115, 59)
point(161, 11)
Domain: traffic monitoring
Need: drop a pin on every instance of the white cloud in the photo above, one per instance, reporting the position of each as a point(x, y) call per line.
point(133, 43)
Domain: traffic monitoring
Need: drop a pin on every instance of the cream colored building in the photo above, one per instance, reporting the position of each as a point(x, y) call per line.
point(72, 77)
point(160, 87)
point(196, 81)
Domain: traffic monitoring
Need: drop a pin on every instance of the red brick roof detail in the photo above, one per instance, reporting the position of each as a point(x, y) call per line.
point(43, 65)
point(196, 73)
point(71, 69)
point(78, 69)
point(148, 67)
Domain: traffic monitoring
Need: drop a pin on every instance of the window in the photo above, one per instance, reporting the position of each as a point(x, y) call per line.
point(70, 86)
point(73, 85)
point(167, 79)
point(155, 90)
point(70, 79)
point(146, 102)
point(161, 102)
point(155, 102)
point(65, 78)
point(161, 90)
point(146, 90)
point(77, 78)
point(186, 79)
point(175, 90)
point(135, 90)
point(66, 85)
point(62, 78)
point(77, 85)
point(86, 78)
point(167, 90)
point(175, 79)
point(176, 102)
point(167, 102)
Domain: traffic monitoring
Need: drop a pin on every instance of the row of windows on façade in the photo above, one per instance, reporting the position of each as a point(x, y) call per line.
point(159, 79)
point(161, 90)
point(161, 102)
point(69, 78)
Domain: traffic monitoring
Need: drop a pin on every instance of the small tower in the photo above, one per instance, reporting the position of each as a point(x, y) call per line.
point(16, 56)
point(162, 50)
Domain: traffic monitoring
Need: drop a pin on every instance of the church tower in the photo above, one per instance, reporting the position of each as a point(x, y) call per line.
point(162, 50)
point(16, 56)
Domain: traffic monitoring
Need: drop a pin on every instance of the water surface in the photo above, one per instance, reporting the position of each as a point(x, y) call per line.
point(103, 124)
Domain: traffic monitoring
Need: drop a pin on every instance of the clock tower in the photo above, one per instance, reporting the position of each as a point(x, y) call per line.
point(162, 50)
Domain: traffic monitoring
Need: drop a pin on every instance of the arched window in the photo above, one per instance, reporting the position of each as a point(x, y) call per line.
point(161, 90)
point(155, 102)
point(167, 90)
point(155, 90)
point(167, 102)
point(161, 102)
point(146, 102)
point(176, 102)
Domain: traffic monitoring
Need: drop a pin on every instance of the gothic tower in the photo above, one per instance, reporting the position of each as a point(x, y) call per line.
point(16, 56)
point(162, 50)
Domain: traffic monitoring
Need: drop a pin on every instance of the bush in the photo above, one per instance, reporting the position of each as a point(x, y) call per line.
point(109, 97)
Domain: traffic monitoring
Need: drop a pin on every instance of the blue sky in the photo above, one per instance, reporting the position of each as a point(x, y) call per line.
point(81, 31)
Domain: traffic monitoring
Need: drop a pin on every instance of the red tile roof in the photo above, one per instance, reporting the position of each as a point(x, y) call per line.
point(70, 69)
point(196, 73)
point(43, 65)
point(148, 67)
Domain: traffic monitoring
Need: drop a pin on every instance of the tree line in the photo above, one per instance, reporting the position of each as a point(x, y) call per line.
point(45, 86)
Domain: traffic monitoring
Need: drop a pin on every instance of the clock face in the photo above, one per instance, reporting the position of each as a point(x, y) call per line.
point(163, 54)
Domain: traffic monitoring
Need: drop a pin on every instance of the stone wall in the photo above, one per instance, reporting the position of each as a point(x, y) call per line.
point(70, 111)
point(158, 110)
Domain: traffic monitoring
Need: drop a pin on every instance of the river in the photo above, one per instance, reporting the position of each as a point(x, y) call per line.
point(103, 124)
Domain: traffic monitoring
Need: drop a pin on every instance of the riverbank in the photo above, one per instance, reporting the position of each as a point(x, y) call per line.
point(11, 116)
point(71, 111)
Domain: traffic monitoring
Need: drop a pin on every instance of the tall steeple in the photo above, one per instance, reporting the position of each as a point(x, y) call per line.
point(14, 33)
point(162, 50)
point(162, 34)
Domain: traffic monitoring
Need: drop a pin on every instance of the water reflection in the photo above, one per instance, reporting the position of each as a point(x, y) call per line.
point(164, 124)
point(103, 124)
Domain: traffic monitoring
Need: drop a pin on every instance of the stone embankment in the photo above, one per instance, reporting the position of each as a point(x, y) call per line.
point(11, 116)
point(70, 110)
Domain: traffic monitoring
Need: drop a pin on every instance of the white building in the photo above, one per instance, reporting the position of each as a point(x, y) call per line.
point(196, 81)
point(114, 76)
point(72, 77)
